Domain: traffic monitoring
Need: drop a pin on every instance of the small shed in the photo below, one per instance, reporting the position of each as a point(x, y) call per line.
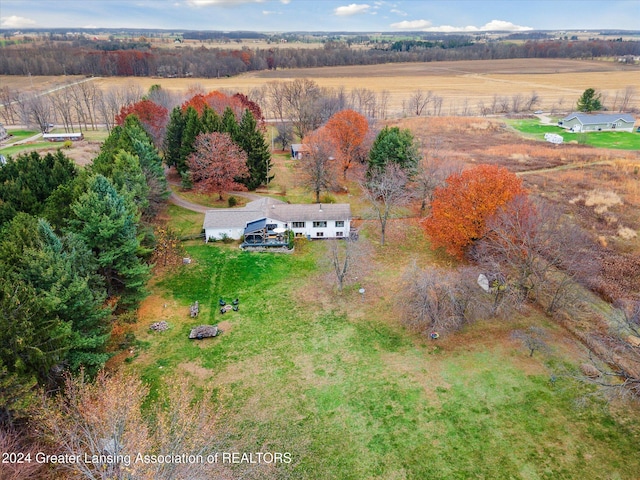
point(299, 151)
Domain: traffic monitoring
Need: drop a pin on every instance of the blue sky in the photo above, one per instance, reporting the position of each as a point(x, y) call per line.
point(323, 15)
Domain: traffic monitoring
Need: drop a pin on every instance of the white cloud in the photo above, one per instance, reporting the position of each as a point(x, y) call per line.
point(286, 2)
point(412, 24)
point(353, 9)
point(427, 26)
point(226, 3)
point(398, 12)
point(16, 22)
point(502, 25)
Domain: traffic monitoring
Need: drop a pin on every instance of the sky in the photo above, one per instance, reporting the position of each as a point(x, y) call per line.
point(324, 15)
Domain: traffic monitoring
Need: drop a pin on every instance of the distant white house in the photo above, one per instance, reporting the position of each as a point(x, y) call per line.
point(598, 122)
point(270, 217)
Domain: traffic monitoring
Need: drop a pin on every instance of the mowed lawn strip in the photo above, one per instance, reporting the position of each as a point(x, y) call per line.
point(357, 397)
point(616, 140)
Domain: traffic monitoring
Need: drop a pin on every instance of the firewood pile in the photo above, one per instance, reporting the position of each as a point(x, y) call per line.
point(194, 309)
point(204, 331)
point(159, 326)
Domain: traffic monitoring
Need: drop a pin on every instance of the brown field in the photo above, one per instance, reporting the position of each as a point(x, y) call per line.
point(598, 188)
point(558, 83)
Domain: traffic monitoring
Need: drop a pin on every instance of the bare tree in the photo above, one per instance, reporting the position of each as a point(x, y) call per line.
point(532, 101)
point(63, 104)
point(432, 172)
point(9, 111)
point(516, 103)
point(386, 190)
point(435, 300)
point(347, 259)
point(418, 102)
point(544, 252)
point(627, 97)
point(533, 339)
point(37, 112)
point(104, 418)
point(319, 167)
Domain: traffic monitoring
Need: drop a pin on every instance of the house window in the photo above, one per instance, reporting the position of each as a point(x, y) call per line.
point(339, 223)
point(319, 234)
point(297, 224)
point(319, 224)
point(338, 234)
point(271, 226)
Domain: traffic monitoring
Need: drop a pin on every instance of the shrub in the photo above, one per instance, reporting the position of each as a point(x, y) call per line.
point(67, 144)
point(232, 201)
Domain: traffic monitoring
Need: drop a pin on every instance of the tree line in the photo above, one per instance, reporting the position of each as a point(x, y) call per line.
point(63, 58)
point(74, 258)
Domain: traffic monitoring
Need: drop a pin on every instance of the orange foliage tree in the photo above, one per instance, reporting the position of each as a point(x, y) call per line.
point(348, 130)
point(461, 208)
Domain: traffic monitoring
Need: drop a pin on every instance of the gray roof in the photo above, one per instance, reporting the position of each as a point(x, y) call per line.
point(595, 118)
point(310, 212)
point(272, 208)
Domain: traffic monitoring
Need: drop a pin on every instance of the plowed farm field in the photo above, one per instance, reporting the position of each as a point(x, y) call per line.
point(462, 85)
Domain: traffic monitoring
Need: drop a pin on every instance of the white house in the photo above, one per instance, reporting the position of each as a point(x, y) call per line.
point(266, 215)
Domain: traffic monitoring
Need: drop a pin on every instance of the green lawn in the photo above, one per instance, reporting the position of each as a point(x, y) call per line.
point(24, 148)
point(619, 140)
point(17, 135)
point(353, 396)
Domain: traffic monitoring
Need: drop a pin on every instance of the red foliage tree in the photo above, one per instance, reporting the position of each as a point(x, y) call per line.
point(219, 101)
point(216, 163)
point(461, 208)
point(153, 117)
point(348, 130)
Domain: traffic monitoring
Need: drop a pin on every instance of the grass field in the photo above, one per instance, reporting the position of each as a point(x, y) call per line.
point(338, 383)
point(619, 140)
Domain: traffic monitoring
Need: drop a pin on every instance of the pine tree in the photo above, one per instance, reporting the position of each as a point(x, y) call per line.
point(192, 128)
point(173, 137)
point(252, 141)
point(104, 220)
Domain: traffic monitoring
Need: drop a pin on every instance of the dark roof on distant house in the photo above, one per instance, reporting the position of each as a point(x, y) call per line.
point(597, 118)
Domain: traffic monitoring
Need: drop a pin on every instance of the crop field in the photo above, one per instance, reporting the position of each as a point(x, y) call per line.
point(461, 84)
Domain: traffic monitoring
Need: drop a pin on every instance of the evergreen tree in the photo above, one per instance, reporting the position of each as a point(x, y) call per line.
point(230, 123)
point(251, 139)
point(134, 140)
point(393, 145)
point(51, 302)
point(104, 220)
point(130, 181)
point(192, 128)
point(173, 137)
point(28, 180)
point(211, 121)
point(589, 101)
